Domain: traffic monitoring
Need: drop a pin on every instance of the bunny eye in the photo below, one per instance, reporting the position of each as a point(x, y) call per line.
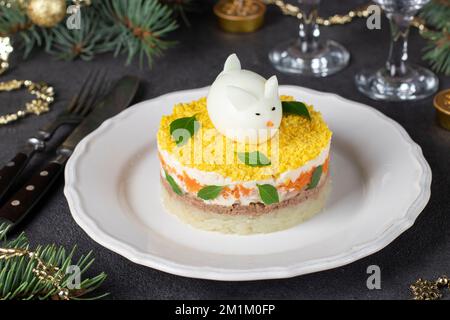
point(258, 114)
point(273, 109)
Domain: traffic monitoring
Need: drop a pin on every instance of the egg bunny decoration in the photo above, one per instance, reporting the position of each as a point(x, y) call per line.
point(242, 105)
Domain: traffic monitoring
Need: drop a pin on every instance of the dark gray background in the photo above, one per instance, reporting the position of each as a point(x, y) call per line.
point(422, 251)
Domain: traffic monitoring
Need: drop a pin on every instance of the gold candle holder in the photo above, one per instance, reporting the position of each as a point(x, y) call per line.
point(240, 15)
point(442, 105)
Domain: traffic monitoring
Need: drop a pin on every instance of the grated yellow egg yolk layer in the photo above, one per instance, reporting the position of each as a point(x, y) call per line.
point(297, 141)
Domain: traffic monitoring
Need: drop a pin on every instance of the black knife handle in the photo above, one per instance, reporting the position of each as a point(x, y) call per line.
point(11, 171)
point(25, 199)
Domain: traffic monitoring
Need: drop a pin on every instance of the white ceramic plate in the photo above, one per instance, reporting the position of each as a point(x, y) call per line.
point(381, 183)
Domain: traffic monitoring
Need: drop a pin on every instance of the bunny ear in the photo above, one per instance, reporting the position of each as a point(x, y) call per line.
point(271, 88)
point(232, 63)
point(239, 98)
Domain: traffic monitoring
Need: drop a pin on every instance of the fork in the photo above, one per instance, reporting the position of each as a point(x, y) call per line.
point(80, 106)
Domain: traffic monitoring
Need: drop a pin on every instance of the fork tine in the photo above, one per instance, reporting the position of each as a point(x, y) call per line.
point(106, 87)
point(74, 102)
point(96, 93)
point(86, 91)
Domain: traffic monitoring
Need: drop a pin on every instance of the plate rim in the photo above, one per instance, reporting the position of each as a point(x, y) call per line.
point(95, 232)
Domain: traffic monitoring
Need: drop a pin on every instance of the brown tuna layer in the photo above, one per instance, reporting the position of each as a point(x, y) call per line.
point(252, 209)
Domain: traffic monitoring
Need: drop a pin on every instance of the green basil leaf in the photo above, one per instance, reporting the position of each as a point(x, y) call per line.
point(209, 192)
point(296, 107)
point(254, 159)
point(315, 178)
point(268, 194)
point(182, 129)
point(175, 187)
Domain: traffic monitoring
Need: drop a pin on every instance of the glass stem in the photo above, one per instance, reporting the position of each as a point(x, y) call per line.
point(309, 30)
point(398, 53)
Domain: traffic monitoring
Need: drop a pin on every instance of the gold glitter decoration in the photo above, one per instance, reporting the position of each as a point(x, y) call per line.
point(429, 290)
point(240, 15)
point(46, 13)
point(240, 7)
point(5, 50)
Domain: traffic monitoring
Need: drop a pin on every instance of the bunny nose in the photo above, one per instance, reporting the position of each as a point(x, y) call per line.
point(269, 124)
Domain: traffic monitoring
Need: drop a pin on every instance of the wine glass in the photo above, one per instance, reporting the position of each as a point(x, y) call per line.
point(398, 80)
point(309, 55)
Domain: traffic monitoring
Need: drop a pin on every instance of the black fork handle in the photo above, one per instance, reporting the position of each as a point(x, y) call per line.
point(12, 169)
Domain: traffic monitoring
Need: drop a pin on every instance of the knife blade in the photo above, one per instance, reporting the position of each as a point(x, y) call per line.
point(26, 198)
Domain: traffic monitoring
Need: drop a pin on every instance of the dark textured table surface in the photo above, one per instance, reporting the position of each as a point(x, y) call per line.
point(422, 251)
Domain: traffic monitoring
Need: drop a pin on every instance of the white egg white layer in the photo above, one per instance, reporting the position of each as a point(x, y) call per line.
point(206, 178)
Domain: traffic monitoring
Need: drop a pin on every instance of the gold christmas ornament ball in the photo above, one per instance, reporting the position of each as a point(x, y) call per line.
point(46, 13)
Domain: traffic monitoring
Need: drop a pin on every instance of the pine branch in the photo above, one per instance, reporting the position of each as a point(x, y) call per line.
point(14, 21)
point(437, 16)
point(136, 28)
point(93, 37)
point(141, 26)
point(437, 52)
point(18, 279)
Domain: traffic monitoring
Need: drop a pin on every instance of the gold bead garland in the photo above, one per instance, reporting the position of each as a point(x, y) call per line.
point(337, 19)
point(41, 104)
point(42, 271)
point(294, 11)
point(43, 92)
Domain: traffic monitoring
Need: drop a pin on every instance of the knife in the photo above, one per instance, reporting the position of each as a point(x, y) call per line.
point(26, 198)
